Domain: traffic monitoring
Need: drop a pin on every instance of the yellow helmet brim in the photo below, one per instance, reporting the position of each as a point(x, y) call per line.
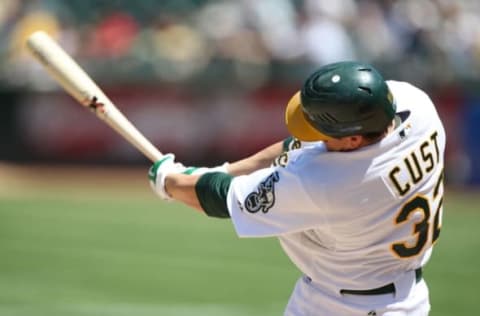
point(297, 124)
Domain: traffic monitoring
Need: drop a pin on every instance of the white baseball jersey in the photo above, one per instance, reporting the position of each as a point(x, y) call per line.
point(354, 220)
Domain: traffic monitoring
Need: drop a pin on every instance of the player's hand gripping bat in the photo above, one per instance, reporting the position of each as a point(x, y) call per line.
point(80, 86)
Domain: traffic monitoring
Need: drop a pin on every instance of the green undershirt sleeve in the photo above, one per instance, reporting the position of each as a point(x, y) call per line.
point(287, 142)
point(212, 189)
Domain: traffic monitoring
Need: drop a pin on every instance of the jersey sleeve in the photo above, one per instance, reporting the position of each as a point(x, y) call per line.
point(271, 202)
point(291, 143)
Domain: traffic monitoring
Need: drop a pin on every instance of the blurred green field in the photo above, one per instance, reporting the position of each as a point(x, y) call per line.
point(99, 243)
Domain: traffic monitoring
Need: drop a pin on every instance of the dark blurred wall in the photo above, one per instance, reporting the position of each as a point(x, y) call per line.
point(471, 139)
point(209, 79)
point(205, 127)
point(10, 148)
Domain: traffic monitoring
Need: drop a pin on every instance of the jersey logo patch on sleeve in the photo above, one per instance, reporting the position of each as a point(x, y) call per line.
point(281, 161)
point(264, 198)
point(295, 144)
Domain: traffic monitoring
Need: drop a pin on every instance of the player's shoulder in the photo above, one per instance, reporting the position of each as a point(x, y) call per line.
point(294, 160)
point(292, 147)
point(403, 86)
point(402, 90)
point(310, 162)
point(409, 97)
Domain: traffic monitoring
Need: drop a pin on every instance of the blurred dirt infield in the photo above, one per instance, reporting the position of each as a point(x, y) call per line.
point(36, 180)
point(17, 180)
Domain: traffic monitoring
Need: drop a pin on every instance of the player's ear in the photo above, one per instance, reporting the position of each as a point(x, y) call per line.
point(353, 142)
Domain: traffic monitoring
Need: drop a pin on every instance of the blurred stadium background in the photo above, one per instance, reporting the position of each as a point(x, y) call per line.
point(80, 231)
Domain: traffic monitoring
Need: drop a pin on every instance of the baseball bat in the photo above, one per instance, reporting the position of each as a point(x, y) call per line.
point(83, 89)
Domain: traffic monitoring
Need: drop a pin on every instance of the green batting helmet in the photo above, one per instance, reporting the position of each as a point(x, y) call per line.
point(338, 100)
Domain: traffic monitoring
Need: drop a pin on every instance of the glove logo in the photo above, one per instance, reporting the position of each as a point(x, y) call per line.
point(264, 198)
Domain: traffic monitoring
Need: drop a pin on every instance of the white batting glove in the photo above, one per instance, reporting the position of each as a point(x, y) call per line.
point(162, 168)
point(159, 171)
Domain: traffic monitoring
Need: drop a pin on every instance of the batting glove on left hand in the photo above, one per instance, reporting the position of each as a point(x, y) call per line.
point(159, 171)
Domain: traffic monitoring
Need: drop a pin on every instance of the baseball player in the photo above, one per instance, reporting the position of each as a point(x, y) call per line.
point(355, 196)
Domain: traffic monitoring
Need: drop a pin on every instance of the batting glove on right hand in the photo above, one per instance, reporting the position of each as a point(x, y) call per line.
point(163, 167)
point(159, 171)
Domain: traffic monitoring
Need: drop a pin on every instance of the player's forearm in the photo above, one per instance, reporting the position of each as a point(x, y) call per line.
point(207, 193)
point(193, 187)
point(181, 187)
point(260, 160)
